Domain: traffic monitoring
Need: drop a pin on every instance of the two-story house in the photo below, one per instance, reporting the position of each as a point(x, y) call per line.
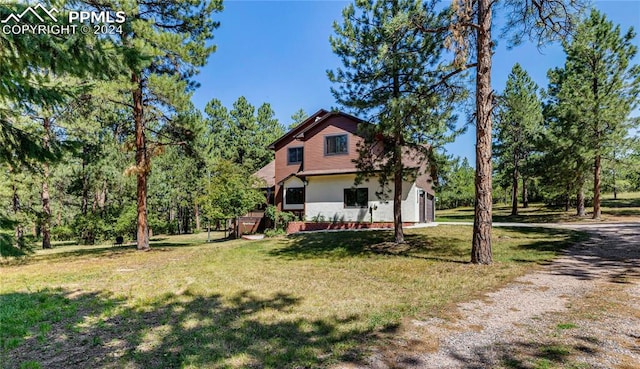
point(314, 171)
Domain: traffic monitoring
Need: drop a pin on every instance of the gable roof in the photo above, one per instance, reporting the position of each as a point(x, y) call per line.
point(267, 173)
point(299, 128)
point(314, 120)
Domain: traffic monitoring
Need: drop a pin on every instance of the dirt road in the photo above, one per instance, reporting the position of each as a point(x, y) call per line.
point(581, 311)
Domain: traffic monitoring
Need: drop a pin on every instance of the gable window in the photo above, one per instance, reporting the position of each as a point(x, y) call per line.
point(356, 197)
point(294, 196)
point(294, 155)
point(335, 145)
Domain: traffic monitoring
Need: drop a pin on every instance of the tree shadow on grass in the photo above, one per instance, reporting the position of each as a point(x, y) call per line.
point(621, 203)
point(102, 251)
point(524, 355)
point(613, 250)
point(559, 239)
point(343, 244)
point(94, 330)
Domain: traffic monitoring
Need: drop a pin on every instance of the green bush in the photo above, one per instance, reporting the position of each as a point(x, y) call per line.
point(62, 233)
point(279, 219)
point(89, 228)
point(126, 224)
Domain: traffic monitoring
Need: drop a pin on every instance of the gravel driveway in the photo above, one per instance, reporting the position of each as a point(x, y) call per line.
point(581, 311)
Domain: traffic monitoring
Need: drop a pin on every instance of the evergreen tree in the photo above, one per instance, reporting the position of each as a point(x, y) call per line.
point(470, 36)
point(29, 64)
point(391, 77)
point(455, 187)
point(162, 45)
point(601, 88)
point(298, 117)
point(241, 135)
point(518, 124)
point(33, 66)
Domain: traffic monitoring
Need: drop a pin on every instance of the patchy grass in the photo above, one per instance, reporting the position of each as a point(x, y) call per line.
point(625, 208)
point(562, 326)
point(601, 317)
point(309, 300)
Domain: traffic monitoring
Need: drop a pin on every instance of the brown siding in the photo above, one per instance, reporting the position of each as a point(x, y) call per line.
point(313, 151)
point(314, 157)
point(282, 169)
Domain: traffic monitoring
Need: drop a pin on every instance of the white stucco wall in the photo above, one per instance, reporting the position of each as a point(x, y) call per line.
point(325, 197)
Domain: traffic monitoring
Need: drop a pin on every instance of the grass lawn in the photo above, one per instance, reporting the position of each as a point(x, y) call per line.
point(309, 300)
point(625, 208)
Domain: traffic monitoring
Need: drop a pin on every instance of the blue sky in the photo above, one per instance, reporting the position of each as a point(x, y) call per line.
point(278, 52)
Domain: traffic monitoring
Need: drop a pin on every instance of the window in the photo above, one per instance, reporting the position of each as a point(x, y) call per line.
point(294, 155)
point(294, 195)
point(356, 197)
point(335, 145)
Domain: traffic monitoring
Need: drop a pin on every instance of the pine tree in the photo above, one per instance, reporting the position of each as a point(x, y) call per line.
point(296, 118)
point(566, 155)
point(391, 77)
point(242, 135)
point(30, 63)
point(455, 187)
point(603, 87)
point(163, 44)
point(519, 121)
point(470, 35)
point(33, 66)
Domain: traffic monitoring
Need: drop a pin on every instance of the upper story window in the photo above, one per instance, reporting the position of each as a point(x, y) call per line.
point(294, 155)
point(335, 145)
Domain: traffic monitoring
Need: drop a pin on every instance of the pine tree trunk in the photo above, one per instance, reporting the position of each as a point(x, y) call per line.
point(397, 154)
point(596, 187)
point(46, 205)
point(15, 204)
point(196, 214)
point(84, 204)
point(514, 192)
point(567, 199)
point(142, 164)
point(615, 188)
point(580, 200)
point(187, 220)
point(525, 193)
point(481, 246)
point(397, 200)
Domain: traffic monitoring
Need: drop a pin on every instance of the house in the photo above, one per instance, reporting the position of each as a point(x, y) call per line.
point(313, 176)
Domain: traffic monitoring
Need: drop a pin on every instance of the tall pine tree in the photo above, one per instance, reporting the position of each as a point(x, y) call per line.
point(603, 86)
point(470, 36)
point(517, 127)
point(163, 45)
point(391, 77)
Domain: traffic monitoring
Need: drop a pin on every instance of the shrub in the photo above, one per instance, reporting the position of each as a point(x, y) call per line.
point(89, 228)
point(278, 218)
point(62, 233)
